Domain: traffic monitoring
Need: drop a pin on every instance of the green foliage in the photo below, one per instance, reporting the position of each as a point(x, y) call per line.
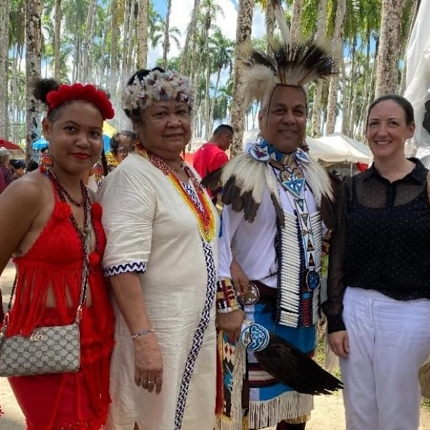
point(210, 60)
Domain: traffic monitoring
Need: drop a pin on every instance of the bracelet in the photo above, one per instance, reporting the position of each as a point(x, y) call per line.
point(226, 298)
point(142, 333)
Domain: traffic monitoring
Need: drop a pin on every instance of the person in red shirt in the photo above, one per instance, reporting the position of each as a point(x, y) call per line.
point(211, 155)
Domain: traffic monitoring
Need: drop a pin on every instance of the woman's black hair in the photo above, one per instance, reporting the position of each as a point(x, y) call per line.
point(401, 101)
point(17, 164)
point(105, 165)
point(41, 89)
point(140, 74)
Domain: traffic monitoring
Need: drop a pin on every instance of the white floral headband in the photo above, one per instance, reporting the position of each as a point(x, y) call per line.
point(157, 86)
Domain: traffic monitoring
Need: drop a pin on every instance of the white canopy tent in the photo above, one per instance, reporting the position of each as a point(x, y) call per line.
point(333, 149)
point(346, 150)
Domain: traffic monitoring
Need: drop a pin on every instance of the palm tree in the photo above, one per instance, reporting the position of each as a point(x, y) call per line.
point(88, 40)
point(57, 42)
point(32, 66)
point(243, 35)
point(166, 41)
point(318, 89)
point(222, 51)
point(335, 80)
point(296, 18)
point(190, 35)
point(389, 52)
point(142, 34)
point(114, 43)
point(4, 63)
point(158, 35)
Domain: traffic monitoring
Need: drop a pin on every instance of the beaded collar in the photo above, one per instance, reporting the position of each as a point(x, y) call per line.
point(265, 152)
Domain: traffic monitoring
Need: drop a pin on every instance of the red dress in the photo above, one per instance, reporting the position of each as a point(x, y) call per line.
point(71, 401)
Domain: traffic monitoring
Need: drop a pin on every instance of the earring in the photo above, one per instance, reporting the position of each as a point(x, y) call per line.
point(46, 163)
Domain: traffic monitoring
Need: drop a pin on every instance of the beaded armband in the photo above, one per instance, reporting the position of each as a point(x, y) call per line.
point(226, 297)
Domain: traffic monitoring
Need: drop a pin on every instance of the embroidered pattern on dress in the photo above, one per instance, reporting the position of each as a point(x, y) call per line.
point(139, 267)
point(198, 335)
point(188, 187)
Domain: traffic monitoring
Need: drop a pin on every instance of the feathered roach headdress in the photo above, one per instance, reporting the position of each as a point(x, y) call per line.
point(288, 64)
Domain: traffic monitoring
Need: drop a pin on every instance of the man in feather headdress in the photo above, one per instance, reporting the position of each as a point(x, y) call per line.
point(277, 208)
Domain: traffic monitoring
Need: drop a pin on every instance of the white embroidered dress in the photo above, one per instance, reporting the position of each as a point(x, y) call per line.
point(151, 230)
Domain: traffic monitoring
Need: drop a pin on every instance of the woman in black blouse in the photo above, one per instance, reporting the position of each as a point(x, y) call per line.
point(378, 305)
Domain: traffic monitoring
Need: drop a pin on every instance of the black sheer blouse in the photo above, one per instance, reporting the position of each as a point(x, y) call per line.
point(382, 241)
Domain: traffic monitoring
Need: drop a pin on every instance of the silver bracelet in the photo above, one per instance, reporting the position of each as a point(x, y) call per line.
point(142, 333)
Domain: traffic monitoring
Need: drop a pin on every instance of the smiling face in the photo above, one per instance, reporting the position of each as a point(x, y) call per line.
point(387, 129)
point(165, 128)
point(75, 137)
point(283, 120)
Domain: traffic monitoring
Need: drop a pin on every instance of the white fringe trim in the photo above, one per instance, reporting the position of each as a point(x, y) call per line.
point(286, 406)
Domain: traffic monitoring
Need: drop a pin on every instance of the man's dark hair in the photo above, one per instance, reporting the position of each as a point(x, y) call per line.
point(223, 128)
point(115, 139)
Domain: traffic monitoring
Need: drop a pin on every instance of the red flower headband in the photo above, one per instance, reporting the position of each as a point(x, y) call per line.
point(87, 92)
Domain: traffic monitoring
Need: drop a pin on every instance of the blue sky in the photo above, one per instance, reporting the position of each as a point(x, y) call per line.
point(161, 6)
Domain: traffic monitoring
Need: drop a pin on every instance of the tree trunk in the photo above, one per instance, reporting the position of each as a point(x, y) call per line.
point(296, 19)
point(388, 56)
point(208, 132)
point(334, 81)
point(88, 39)
point(57, 41)
point(166, 41)
point(318, 91)
point(190, 32)
point(348, 94)
point(142, 35)
point(322, 21)
point(33, 64)
point(218, 77)
point(126, 41)
point(4, 67)
point(371, 85)
point(270, 23)
point(243, 35)
point(114, 55)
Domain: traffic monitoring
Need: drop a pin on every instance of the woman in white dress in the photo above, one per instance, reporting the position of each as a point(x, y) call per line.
point(162, 232)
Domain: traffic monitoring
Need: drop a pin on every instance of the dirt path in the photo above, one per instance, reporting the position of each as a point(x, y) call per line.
point(328, 413)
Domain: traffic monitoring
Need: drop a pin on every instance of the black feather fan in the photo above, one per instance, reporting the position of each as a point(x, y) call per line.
point(295, 369)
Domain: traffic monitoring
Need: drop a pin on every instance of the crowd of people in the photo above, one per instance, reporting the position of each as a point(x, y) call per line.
point(165, 287)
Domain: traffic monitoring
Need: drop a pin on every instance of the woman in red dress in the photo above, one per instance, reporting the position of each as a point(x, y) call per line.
point(42, 218)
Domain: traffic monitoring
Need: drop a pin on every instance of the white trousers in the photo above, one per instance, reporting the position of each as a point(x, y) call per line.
point(389, 340)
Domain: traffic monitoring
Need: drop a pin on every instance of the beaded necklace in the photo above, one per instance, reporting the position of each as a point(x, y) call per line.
point(63, 195)
point(204, 215)
point(59, 187)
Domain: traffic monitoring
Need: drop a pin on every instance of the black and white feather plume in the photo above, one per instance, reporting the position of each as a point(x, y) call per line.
point(288, 63)
point(292, 64)
point(295, 369)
